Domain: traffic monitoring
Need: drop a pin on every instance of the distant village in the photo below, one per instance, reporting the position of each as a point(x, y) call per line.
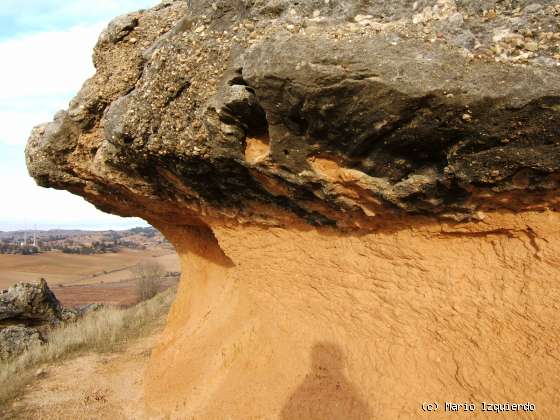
point(78, 242)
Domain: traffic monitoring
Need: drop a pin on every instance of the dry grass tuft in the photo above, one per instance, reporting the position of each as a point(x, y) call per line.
point(105, 330)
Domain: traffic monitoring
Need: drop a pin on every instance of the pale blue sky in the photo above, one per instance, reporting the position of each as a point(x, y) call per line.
point(46, 48)
point(31, 16)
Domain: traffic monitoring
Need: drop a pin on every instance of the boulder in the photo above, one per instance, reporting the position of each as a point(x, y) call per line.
point(30, 302)
point(28, 312)
point(15, 340)
point(363, 193)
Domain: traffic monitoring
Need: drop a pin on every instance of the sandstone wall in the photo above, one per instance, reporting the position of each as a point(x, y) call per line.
point(278, 323)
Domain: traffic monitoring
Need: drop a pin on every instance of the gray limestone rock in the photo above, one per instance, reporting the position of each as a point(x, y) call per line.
point(30, 302)
point(248, 110)
point(16, 340)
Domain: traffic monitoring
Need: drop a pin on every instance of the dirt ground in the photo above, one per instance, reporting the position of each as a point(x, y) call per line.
point(60, 268)
point(92, 386)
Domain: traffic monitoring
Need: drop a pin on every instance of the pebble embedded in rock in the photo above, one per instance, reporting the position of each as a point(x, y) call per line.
point(533, 8)
point(531, 46)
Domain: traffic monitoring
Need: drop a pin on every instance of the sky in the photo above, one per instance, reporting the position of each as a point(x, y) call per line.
point(46, 48)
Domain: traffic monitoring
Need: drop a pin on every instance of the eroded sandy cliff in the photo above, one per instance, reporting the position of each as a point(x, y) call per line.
point(364, 198)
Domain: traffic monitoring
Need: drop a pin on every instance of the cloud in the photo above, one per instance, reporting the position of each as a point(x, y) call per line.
point(30, 204)
point(26, 205)
point(40, 75)
point(41, 71)
point(48, 63)
point(16, 124)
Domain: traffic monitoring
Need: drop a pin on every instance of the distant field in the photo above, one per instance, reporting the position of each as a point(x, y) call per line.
point(69, 269)
point(121, 293)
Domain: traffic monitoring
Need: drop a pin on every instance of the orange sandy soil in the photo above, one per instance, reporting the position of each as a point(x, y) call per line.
point(59, 268)
point(93, 386)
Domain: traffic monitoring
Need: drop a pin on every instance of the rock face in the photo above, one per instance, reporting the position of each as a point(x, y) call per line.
point(364, 195)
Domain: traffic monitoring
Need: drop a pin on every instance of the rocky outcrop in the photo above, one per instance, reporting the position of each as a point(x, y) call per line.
point(28, 302)
point(364, 195)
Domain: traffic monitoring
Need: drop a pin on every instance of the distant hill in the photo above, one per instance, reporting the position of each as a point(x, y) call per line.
point(75, 232)
point(78, 241)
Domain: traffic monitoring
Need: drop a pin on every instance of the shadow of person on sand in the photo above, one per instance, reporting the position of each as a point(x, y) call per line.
point(325, 393)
